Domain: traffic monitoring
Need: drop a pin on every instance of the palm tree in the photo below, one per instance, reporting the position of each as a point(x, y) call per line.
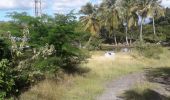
point(155, 12)
point(142, 14)
point(112, 22)
point(127, 12)
point(108, 3)
point(90, 21)
point(149, 8)
point(109, 17)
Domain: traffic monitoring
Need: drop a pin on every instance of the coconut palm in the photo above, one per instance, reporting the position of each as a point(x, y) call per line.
point(90, 21)
point(127, 12)
point(144, 6)
point(155, 11)
point(108, 3)
point(149, 8)
point(109, 17)
point(142, 14)
point(112, 22)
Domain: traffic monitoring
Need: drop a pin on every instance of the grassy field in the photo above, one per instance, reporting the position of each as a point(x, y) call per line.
point(152, 90)
point(146, 91)
point(88, 85)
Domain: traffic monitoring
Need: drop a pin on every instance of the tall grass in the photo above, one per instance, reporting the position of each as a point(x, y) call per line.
point(92, 83)
point(145, 91)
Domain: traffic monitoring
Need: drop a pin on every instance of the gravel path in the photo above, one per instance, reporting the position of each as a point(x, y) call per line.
point(118, 86)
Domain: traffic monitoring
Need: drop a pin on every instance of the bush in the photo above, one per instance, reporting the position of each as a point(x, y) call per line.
point(50, 65)
point(149, 50)
point(25, 71)
point(6, 79)
point(4, 50)
point(95, 43)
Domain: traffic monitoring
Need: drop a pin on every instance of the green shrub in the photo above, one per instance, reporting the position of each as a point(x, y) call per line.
point(49, 65)
point(95, 43)
point(25, 71)
point(6, 79)
point(149, 50)
point(4, 50)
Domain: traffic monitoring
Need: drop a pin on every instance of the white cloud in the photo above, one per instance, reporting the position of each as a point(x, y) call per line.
point(59, 6)
point(15, 4)
point(55, 5)
point(18, 4)
point(165, 3)
point(64, 6)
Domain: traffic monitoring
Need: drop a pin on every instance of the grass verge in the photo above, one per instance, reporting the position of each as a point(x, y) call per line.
point(145, 91)
point(91, 84)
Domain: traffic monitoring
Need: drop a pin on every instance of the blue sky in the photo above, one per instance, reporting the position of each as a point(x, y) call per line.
point(49, 6)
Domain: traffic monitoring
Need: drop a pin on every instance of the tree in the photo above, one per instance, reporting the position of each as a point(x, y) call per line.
point(127, 13)
point(20, 18)
point(112, 21)
point(90, 21)
point(109, 17)
point(108, 3)
point(142, 13)
point(155, 11)
point(149, 8)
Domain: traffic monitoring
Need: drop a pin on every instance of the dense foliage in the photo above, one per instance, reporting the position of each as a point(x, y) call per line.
point(6, 78)
point(126, 21)
point(37, 48)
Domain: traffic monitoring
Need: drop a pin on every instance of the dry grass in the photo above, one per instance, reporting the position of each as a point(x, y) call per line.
point(88, 86)
point(149, 90)
point(145, 91)
point(48, 90)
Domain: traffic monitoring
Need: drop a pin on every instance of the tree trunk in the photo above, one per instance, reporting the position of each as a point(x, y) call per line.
point(154, 29)
point(87, 44)
point(115, 39)
point(130, 39)
point(130, 42)
point(80, 46)
point(141, 30)
point(127, 42)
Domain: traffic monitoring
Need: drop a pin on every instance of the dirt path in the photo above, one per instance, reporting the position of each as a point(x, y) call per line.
point(116, 87)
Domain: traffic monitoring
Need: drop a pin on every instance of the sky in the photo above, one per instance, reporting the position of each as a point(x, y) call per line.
point(49, 6)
